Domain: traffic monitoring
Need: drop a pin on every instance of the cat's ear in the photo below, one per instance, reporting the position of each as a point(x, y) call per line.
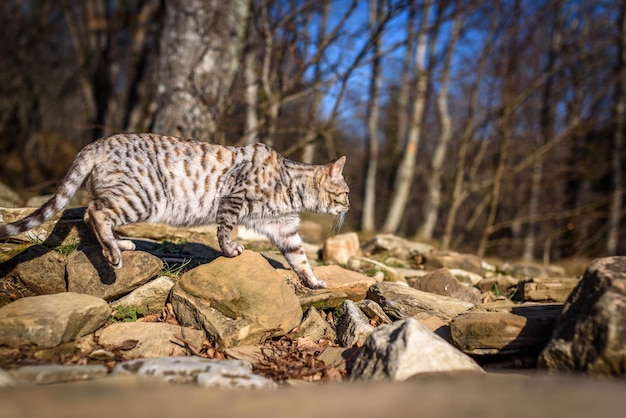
point(336, 168)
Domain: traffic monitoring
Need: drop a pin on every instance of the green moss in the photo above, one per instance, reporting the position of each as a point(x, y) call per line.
point(127, 313)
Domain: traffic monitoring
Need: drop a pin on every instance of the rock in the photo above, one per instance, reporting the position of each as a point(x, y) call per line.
point(314, 327)
point(78, 348)
point(57, 373)
point(322, 298)
point(410, 274)
point(336, 357)
point(204, 234)
point(222, 374)
point(400, 247)
point(353, 327)
point(400, 302)
point(339, 281)
point(451, 259)
point(503, 285)
point(6, 380)
point(515, 329)
point(150, 297)
point(403, 349)
point(66, 227)
point(372, 267)
point(253, 354)
point(8, 197)
point(545, 289)
point(466, 277)
point(310, 231)
point(88, 272)
point(442, 282)
point(339, 248)
point(49, 320)
point(373, 311)
point(41, 269)
point(153, 339)
point(590, 333)
point(237, 301)
point(531, 269)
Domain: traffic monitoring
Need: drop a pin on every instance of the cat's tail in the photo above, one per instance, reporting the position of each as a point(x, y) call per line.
point(81, 167)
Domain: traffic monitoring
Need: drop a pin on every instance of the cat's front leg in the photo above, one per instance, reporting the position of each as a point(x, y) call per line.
point(227, 216)
point(299, 262)
point(284, 235)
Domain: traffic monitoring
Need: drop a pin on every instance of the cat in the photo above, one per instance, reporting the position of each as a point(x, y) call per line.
point(184, 182)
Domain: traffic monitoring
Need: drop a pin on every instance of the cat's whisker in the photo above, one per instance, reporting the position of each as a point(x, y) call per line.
point(338, 224)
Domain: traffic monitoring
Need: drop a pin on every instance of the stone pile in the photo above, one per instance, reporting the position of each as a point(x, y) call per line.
point(393, 309)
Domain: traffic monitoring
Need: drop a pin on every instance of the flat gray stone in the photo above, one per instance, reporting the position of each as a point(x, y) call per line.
point(205, 372)
point(57, 373)
point(400, 301)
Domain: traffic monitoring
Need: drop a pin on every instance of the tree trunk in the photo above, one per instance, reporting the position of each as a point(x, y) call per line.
point(459, 191)
point(405, 89)
point(252, 96)
point(200, 51)
point(615, 211)
point(312, 126)
point(368, 223)
point(404, 175)
point(432, 202)
point(545, 134)
point(506, 129)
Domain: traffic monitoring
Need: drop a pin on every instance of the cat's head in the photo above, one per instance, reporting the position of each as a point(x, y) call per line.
point(333, 189)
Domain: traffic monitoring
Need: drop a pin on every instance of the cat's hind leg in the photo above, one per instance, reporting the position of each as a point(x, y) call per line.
point(101, 224)
point(227, 216)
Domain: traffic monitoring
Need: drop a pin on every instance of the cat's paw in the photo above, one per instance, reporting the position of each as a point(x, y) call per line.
point(316, 284)
point(232, 249)
point(126, 245)
point(114, 258)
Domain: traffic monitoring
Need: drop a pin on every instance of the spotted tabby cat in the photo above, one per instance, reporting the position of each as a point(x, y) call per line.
point(181, 182)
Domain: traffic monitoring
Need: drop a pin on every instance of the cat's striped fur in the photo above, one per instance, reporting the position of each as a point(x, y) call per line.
point(182, 182)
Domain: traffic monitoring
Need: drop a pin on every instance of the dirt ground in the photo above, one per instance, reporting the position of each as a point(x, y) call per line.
point(456, 395)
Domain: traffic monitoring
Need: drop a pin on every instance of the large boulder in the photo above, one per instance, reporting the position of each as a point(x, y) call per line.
point(590, 333)
point(49, 320)
point(237, 301)
point(88, 272)
point(41, 269)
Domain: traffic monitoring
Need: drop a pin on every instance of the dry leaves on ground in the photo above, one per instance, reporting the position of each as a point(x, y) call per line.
point(286, 358)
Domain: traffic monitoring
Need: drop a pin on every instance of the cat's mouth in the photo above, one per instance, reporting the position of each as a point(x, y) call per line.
point(339, 211)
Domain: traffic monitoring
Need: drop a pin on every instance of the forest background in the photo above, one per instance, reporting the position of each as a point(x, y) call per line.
point(493, 127)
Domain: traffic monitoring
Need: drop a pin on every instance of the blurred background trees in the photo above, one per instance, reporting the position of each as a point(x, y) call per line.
point(494, 127)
